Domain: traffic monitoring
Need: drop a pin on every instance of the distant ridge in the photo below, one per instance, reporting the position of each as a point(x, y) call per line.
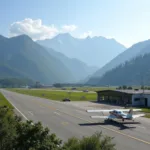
point(95, 51)
point(20, 57)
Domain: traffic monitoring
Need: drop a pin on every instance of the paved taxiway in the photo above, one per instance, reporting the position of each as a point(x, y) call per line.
point(67, 120)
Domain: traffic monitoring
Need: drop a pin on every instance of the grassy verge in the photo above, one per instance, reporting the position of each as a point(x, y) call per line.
point(85, 88)
point(58, 95)
point(147, 112)
point(4, 102)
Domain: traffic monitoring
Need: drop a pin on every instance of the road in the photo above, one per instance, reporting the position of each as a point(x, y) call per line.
point(67, 120)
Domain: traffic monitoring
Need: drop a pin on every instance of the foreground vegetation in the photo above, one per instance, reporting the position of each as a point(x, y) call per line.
point(18, 135)
point(58, 95)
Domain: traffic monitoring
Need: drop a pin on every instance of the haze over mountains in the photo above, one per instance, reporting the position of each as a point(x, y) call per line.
point(127, 68)
point(79, 69)
point(92, 51)
point(22, 57)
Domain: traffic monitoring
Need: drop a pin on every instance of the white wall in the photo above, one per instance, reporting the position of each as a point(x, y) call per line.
point(142, 101)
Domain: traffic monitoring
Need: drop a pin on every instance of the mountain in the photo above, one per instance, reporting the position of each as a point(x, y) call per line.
point(95, 51)
point(78, 68)
point(22, 57)
point(138, 49)
point(133, 72)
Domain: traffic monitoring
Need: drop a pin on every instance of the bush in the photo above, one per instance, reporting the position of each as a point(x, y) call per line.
point(124, 87)
point(129, 88)
point(95, 142)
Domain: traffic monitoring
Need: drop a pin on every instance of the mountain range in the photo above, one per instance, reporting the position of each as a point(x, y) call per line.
point(21, 57)
point(111, 73)
point(95, 51)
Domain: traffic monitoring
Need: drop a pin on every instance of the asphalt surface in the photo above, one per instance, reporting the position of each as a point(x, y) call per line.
point(67, 120)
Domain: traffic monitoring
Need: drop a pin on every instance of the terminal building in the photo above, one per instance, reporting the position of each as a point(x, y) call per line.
point(122, 97)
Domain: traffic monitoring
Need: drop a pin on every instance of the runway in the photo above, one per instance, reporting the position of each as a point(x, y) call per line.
point(67, 120)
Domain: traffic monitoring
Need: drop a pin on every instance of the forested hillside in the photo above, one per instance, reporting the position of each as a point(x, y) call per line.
point(134, 72)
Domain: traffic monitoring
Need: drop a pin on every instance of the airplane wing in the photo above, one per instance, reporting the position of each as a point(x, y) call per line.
point(138, 115)
point(126, 110)
point(98, 110)
point(107, 110)
point(103, 117)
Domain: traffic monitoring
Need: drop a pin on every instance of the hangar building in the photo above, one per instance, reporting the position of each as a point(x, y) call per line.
point(122, 97)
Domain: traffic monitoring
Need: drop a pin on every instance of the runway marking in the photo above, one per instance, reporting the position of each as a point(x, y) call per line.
point(42, 106)
point(64, 123)
point(30, 113)
point(18, 110)
point(140, 126)
point(80, 111)
point(57, 113)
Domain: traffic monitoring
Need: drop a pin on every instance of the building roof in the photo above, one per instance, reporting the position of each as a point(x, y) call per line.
point(126, 91)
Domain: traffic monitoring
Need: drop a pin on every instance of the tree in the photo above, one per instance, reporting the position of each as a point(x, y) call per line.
point(57, 85)
point(7, 128)
point(18, 135)
point(129, 88)
point(94, 142)
point(124, 87)
point(35, 137)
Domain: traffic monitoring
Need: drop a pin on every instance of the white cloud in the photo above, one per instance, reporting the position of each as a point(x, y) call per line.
point(33, 28)
point(86, 34)
point(69, 28)
point(36, 30)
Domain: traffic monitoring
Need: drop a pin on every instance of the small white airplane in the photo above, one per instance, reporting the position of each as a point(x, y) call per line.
point(118, 114)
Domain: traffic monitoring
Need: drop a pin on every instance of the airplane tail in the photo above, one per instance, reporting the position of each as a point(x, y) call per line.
point(130, 113)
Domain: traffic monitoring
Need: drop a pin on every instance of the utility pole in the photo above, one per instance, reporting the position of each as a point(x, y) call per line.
point(142, 84)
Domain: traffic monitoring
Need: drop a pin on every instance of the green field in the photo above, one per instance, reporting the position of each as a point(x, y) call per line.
point(86, 88)
point(147, 112)
point(4, 102)
point(58, 95)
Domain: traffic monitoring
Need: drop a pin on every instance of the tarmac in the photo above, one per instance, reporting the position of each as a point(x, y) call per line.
point(68, 119)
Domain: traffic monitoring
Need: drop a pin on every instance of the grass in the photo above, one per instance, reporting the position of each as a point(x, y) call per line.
point(58, 95)
point(4, 102)
point(87, 88)
point(147, 112)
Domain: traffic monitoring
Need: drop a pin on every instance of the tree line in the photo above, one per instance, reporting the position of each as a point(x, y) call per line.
point(15, 82)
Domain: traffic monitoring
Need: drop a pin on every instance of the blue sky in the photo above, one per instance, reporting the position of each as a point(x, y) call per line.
point(128, 21)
